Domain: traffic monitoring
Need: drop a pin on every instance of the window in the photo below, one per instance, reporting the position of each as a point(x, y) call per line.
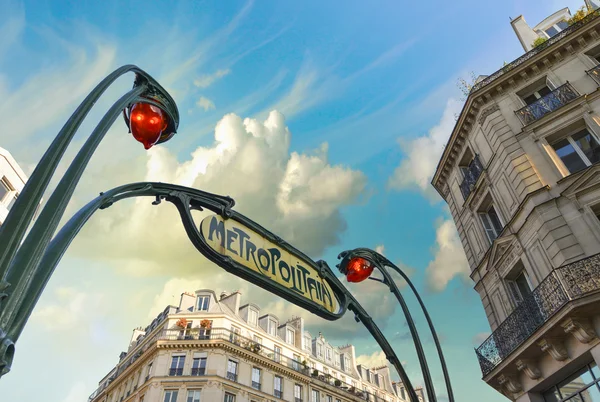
point(256, 378)
point(12, 201)
point(290, 336)
point(319, 350)
point(336, 359)
point(193, 396)
point(205, 326)
point(203, 303)
point(329, 398)
point(314, 396)
point(272, 327)
point(307, 343)
point(328, 353)
point(556, 28)
point(170, 396)
point(520, 287)
point(581, 386)
point(148, 371)
point(346, 363)
point(252, 317)
point(402, 393)
point(578, 151)
point(186, 333)
point(257, 339)
point(278, 387)
point(234, 336)
point(297, 393)
point(491, 223)
point(199, 366)
point(377, 379)
point(232, 366)
point(5, 188)
point(177, 365)
point(296, 362)
point(530, 97)
point(277, 356)
point(229, 397)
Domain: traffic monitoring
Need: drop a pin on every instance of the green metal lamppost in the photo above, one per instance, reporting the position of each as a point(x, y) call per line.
point(152, 117)
point(358, 265)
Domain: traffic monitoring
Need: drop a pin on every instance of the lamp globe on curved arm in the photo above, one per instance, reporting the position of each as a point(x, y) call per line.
point(358, 265)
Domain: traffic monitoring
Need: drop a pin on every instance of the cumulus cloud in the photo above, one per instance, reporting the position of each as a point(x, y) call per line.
point(449, 258)
point(296, 195)
point(380, 249)
point(205, 103)
point(68, 311)
point(423, 153)
point(207, 80)
point(377, 359)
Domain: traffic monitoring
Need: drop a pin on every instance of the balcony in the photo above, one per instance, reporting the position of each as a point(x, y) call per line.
point(176, 371)
point(471, 176)
point(256, 385)
point(549, 103)
point(232, 376)
point(595, 74)
point(567, 283)
point(278, 394)
point(198, 371)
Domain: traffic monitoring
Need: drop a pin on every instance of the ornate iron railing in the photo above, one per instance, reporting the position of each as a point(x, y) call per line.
point(549, 103)
point(595, 74)
point(562, 285)
point(517, 62)
point(471, 176)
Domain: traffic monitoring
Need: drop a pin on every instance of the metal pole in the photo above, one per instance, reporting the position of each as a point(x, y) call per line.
point(429, 322)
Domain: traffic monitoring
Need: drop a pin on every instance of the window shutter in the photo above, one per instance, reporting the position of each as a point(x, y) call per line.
point(487, 225)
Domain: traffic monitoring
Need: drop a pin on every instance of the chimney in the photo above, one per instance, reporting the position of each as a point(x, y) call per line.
point(232, 301)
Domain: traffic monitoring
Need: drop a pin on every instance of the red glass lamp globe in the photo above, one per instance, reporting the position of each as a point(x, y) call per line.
point(358, 269)
point(147, 122)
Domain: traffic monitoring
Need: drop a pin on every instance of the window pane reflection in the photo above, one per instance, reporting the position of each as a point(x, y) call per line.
point(588, 145)
point(567, 154)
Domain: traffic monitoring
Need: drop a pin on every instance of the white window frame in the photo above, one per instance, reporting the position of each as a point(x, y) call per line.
point(515, 292)
point(173, 394)
point(290, 336)
point(230, 399)
point(576, 148)
point(307, 343)
point(272, 326)
point(192, 397)
point(277, 353)
point(328, 353)
point(298, 391)
point(252, 313)
point(488, 220)
point(205, 300)
point(257, 378)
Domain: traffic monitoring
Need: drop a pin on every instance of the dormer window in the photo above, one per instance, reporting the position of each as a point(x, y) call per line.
point(290, 336)
point(556, 28)
point(203, 303)
point(307, 343)
point(272, 327)
point(252, 317)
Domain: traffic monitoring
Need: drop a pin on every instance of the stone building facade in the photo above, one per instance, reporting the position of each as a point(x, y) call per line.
point(12, 180)
point(521, 177)
point(214, 348)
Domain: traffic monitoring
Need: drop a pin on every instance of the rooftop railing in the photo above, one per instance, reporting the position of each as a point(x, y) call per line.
point(536, 50)
point(569, 282)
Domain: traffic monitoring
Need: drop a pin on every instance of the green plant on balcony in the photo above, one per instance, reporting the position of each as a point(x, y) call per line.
point(539, 42)
point(579, 15)
point(337, 383)
point(315, 373)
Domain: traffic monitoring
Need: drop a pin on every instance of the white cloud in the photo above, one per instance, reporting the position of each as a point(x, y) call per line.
point(479, 338)
point(380, 249)
point(78, 392)
point(205, 103)
point(377, 359)
point(449, 258)
point(297, 196)
point(423, 153)
point(207, 80)
point(69, 311)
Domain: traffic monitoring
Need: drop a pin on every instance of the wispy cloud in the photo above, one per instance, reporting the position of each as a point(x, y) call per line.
point(205, 103)
point(207, 80)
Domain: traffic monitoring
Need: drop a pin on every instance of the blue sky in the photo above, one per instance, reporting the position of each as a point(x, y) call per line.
point(374, 81)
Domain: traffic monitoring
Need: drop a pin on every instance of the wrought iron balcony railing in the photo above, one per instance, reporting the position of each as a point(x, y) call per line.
point(595, 74)
point(569, 282)
point(471, 176)
point(231, 376)
point(176, 371)
point(546, 104)
point(256, 385)
point(198, 370)
point(278, 394)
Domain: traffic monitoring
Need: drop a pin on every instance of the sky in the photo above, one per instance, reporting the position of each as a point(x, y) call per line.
point(323, 120)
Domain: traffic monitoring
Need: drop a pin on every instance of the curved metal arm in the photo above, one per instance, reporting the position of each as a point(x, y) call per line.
point(381, 262)
point(362, 316)
point(23, 267)
point(14, 227)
